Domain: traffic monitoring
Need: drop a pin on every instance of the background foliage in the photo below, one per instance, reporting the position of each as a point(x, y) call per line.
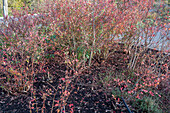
point(18, 4)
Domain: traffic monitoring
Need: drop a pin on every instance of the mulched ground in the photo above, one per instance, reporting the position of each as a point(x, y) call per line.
point(86, 96)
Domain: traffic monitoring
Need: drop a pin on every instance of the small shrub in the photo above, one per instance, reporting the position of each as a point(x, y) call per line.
point(147, 104)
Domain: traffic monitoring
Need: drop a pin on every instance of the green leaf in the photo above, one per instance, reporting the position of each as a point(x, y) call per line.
point(99, 50)
point(52, 55)
point(8, 45)
point(47, 41)
point(87, 56)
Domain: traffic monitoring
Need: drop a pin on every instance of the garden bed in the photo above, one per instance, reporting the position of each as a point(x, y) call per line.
point(87, 92)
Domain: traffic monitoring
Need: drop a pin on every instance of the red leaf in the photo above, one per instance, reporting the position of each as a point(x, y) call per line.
point(63, 79)
point(56, 105)
point(70, 105)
